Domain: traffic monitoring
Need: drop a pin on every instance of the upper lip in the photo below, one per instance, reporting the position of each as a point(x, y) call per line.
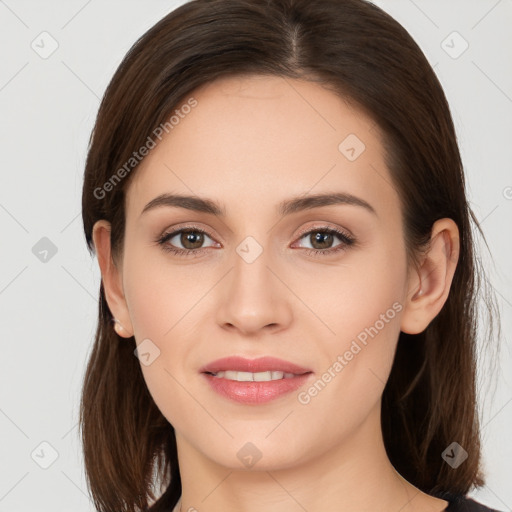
point(262, 364)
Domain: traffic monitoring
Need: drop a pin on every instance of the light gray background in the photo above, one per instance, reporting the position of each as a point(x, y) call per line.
point(48, 309)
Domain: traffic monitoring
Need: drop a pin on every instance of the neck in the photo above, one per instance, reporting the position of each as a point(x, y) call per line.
point(356, 476)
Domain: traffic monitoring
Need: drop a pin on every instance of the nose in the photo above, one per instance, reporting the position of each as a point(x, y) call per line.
point(253, 297)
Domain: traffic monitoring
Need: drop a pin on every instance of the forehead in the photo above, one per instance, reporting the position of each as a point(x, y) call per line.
point(255, 140)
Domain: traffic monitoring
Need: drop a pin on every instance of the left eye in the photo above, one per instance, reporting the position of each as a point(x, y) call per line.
point(323, 237)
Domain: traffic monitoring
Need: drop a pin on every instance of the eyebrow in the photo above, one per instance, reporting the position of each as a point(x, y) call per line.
point(286, 207)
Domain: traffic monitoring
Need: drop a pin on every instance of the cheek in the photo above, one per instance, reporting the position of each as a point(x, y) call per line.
point(360, 356)
point(351, 383)
point(362, 307)
point(161, 296)
point(365, 292)
point(162, 301)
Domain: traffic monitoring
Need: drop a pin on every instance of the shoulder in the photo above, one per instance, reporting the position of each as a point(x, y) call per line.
point(461, 503)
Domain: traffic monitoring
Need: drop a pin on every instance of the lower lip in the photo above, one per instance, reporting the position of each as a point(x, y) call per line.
point(255, 392)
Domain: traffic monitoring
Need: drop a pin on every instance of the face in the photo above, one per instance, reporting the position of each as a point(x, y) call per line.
point(316, 284)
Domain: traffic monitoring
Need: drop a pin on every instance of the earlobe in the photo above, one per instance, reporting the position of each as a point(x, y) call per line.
point(430, 284)
point(112, 279)
point(119, 328)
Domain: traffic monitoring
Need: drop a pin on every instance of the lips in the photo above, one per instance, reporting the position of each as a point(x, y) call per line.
point(254, 381)
point(262, 364)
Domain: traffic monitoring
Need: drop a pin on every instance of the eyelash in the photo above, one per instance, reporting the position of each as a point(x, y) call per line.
point(346, 240)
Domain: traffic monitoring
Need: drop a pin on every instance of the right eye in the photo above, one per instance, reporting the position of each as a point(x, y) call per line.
point(189, 236)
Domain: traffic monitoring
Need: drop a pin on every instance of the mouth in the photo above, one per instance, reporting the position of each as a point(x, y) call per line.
point(253, 377)
point(254, 381)
point(257, 366)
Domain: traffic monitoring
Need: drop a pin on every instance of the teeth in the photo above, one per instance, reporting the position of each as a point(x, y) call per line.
point(257, 377)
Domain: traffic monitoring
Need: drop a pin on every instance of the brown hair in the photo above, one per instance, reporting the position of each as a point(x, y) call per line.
point(365, 56)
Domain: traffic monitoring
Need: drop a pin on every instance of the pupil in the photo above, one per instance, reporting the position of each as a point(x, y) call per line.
point(189, 237)
point(324, 236)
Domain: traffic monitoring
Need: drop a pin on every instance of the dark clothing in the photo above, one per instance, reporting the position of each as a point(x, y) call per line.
point(459, 503)
point(456, 503)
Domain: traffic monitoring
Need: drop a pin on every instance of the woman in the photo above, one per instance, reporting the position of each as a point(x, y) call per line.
point(276, 199)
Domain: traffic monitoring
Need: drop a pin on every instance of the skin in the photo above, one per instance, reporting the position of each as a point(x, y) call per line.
point(250, 143)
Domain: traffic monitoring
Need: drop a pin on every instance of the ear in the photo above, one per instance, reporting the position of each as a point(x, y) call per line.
point(112, 278)
point(429, 285)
